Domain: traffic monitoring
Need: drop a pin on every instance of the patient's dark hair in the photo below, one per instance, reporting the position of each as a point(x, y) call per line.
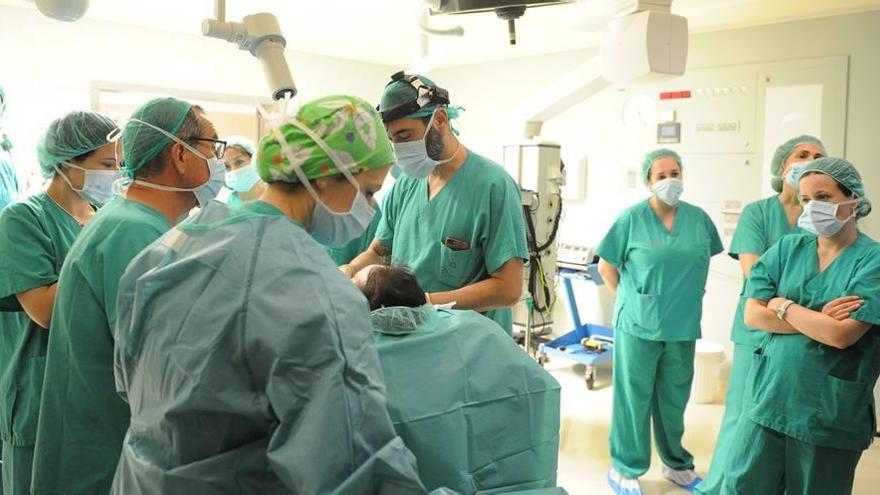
point(388, 286)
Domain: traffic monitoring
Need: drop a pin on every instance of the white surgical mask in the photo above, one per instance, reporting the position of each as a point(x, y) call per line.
point(794, 173)
point(203, 193)
point(413, 159)
point(820, 217)
point(328, 227)
point(97, 186)
point(669, 191)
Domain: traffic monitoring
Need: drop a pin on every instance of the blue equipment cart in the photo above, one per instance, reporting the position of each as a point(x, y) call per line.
point(569, 346)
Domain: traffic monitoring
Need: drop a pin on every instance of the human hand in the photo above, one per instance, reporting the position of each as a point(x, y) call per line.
point(348, 270)
point(842, 307)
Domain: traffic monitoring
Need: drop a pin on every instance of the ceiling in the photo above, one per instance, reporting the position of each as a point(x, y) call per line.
point(385, 32)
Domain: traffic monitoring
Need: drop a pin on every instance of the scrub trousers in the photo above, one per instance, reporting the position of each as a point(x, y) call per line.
point(733, 407)
point(652, 383)
point(18, 463)
point(769, 462)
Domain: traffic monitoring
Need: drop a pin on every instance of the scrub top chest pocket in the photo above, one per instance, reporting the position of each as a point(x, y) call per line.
point(458, 258)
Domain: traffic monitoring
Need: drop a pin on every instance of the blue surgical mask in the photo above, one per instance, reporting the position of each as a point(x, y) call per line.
point(669, 191)
point(413, 159)
point(97, 186)
point(209, 190)
point(820, 217)
point(334, 229)
point(242, 179)
point(794, 173)
point(203, 193)
point(328, 227)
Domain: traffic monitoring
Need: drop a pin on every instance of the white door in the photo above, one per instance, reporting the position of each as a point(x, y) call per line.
point(802, 97)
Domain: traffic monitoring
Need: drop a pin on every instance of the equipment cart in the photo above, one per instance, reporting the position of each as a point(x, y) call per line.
point(588, 344)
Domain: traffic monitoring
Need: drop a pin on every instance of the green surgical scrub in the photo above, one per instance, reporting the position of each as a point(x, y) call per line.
point(8, 181)
point(234, 200)
point(809, 404)
point(37, 234)
point(491, 420)
point(247, 361)
point(656, 321)
point(350, 251)
point(82, 419)
point(479, 212)
point(229, 197)
point(761, 224)
point(10, 314)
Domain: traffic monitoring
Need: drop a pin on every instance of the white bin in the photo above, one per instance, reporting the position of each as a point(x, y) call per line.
point(707, 372)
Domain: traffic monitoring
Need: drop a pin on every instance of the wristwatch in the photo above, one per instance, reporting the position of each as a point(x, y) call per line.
point(783, 310)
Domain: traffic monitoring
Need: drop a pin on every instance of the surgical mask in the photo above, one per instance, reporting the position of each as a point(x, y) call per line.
point(203, 193)
point(328, 227)
point(413, 158)
point(794, 173)
point(97, 184)
point(242, 179)
point(334, 229)
point(669, 191)
point(820, 217)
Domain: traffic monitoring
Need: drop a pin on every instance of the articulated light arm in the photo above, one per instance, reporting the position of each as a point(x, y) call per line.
point(261, 35)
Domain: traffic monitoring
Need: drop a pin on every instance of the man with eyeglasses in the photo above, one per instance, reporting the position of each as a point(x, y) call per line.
point(172, 156)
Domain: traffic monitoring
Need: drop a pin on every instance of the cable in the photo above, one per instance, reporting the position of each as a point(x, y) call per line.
point(534, 260)
point(552, 237)
point(537, 275)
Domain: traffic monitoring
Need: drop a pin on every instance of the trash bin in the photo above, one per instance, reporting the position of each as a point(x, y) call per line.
point(707, 372)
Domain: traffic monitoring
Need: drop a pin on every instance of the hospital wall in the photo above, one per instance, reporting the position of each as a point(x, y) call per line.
point(595, 129)
point(47, 66)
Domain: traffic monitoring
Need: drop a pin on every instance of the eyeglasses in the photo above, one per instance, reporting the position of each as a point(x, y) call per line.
point(219, 145)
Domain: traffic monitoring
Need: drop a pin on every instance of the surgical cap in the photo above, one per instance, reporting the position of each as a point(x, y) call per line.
point(399, 93)
point(845, 174)
point(73, 135)
point(783, 152)
point(655, 155)
point(140, 142)
point(399, 320)
point(242, 143)
point(348, 125)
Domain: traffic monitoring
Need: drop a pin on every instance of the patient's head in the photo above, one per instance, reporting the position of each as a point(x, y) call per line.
point(387, 286)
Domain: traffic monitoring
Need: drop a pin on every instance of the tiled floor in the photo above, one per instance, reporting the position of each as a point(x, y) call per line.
point(586, 416)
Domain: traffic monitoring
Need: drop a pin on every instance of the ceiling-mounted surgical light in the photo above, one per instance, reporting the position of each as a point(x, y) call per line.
point(507, 10)
point(63, 10)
